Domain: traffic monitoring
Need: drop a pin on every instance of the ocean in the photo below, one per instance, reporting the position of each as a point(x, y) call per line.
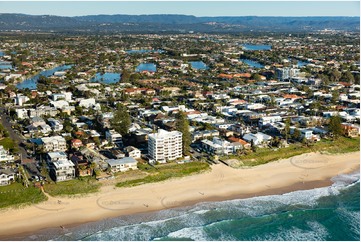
point(328, 213)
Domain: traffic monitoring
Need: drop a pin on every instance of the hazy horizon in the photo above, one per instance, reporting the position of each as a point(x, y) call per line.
point(192, 8)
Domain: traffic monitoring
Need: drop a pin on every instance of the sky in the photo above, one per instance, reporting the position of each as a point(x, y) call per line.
point(196, 8)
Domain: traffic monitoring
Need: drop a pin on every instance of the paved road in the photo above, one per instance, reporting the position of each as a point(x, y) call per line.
point(5, 120)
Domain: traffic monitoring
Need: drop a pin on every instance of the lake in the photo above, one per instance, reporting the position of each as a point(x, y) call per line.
point(143, 51)
point(146, 67)
point(4, 67)
point(256, 47)
point(302, 63)
point(252, 63)
point(106, 78)
point(31, 83)
point(198, 65)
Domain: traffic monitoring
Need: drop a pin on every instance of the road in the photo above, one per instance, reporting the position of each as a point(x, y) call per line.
point(5, 120)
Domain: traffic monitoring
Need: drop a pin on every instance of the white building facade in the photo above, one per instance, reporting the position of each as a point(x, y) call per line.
point(164, 145)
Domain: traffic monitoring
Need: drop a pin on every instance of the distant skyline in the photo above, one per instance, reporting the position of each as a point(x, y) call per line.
point(196, 8)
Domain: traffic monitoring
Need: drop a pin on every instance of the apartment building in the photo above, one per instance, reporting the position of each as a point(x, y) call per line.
point(54, 143)
point(114, 137)
point(61, 169)
point(164, 145)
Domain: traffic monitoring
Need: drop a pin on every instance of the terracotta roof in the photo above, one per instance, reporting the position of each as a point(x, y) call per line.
point(234, 139)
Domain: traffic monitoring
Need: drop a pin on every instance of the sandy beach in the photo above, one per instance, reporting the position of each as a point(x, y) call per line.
point(302, 172)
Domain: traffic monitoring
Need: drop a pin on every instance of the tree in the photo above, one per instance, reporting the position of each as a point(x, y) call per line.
point(125, 76)
point(335, 97)
point(335, 126)
point(121, 120)
point(253, 146)
point(347, 77)
point(296, 134)
point(182, 126)
point(287, 129)
point(335, 76)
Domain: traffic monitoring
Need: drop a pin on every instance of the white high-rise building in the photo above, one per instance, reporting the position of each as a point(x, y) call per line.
point(164, 145)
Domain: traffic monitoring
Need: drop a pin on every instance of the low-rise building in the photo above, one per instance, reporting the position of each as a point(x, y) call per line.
point(258, 138)
point(61, 169)
point(7, 176)
point(55, 124)
point(4, 155)
point(219, 146)
point(131, 151)
point(350, 130)
point(54, 143)
point(114, 137)
point(125, 164)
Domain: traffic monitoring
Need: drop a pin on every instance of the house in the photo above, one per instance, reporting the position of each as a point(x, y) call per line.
point(81, 164)
point(244, 143)
point(125, 164)
point(218, 146)
point(76, 143)
point(7, 176)
point(131, 151)
point(204, 134)
point(61, 169)
point(258, 138)
point(4, 155)
point(350, 130)
point(87, 103)
point(21, 113)
point(55, 124)
point(269, 120)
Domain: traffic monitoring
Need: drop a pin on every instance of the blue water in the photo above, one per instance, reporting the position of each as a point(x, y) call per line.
point(252, 63)
point(328, 213)
point(31, 83)
point(198, 65)
point(143, 51)
point(146, 67)
point(256, 47)
point(4, 67)
point(106, 78)
point(302, 63)
point(2, 53)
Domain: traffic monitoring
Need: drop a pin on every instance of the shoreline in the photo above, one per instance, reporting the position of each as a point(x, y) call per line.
point(303, 172)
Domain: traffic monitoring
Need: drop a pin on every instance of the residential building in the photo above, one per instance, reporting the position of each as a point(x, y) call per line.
point(54, 143)
point(164, 145)
point(258, 138)
point(125, 164)
point(269, 120)
point(219, 146)
point(76, 143)
point(114, 137)
point(286, 73)
point(131, 151)
point(4, 155)
point(61, 169)
point(204, 134)
point(350, 130)
point(7, 176)
point(55, 124)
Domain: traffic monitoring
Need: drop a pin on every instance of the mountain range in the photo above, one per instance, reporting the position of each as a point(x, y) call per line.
point(159, 23)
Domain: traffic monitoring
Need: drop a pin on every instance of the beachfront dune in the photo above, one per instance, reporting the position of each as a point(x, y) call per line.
point(306, 171)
